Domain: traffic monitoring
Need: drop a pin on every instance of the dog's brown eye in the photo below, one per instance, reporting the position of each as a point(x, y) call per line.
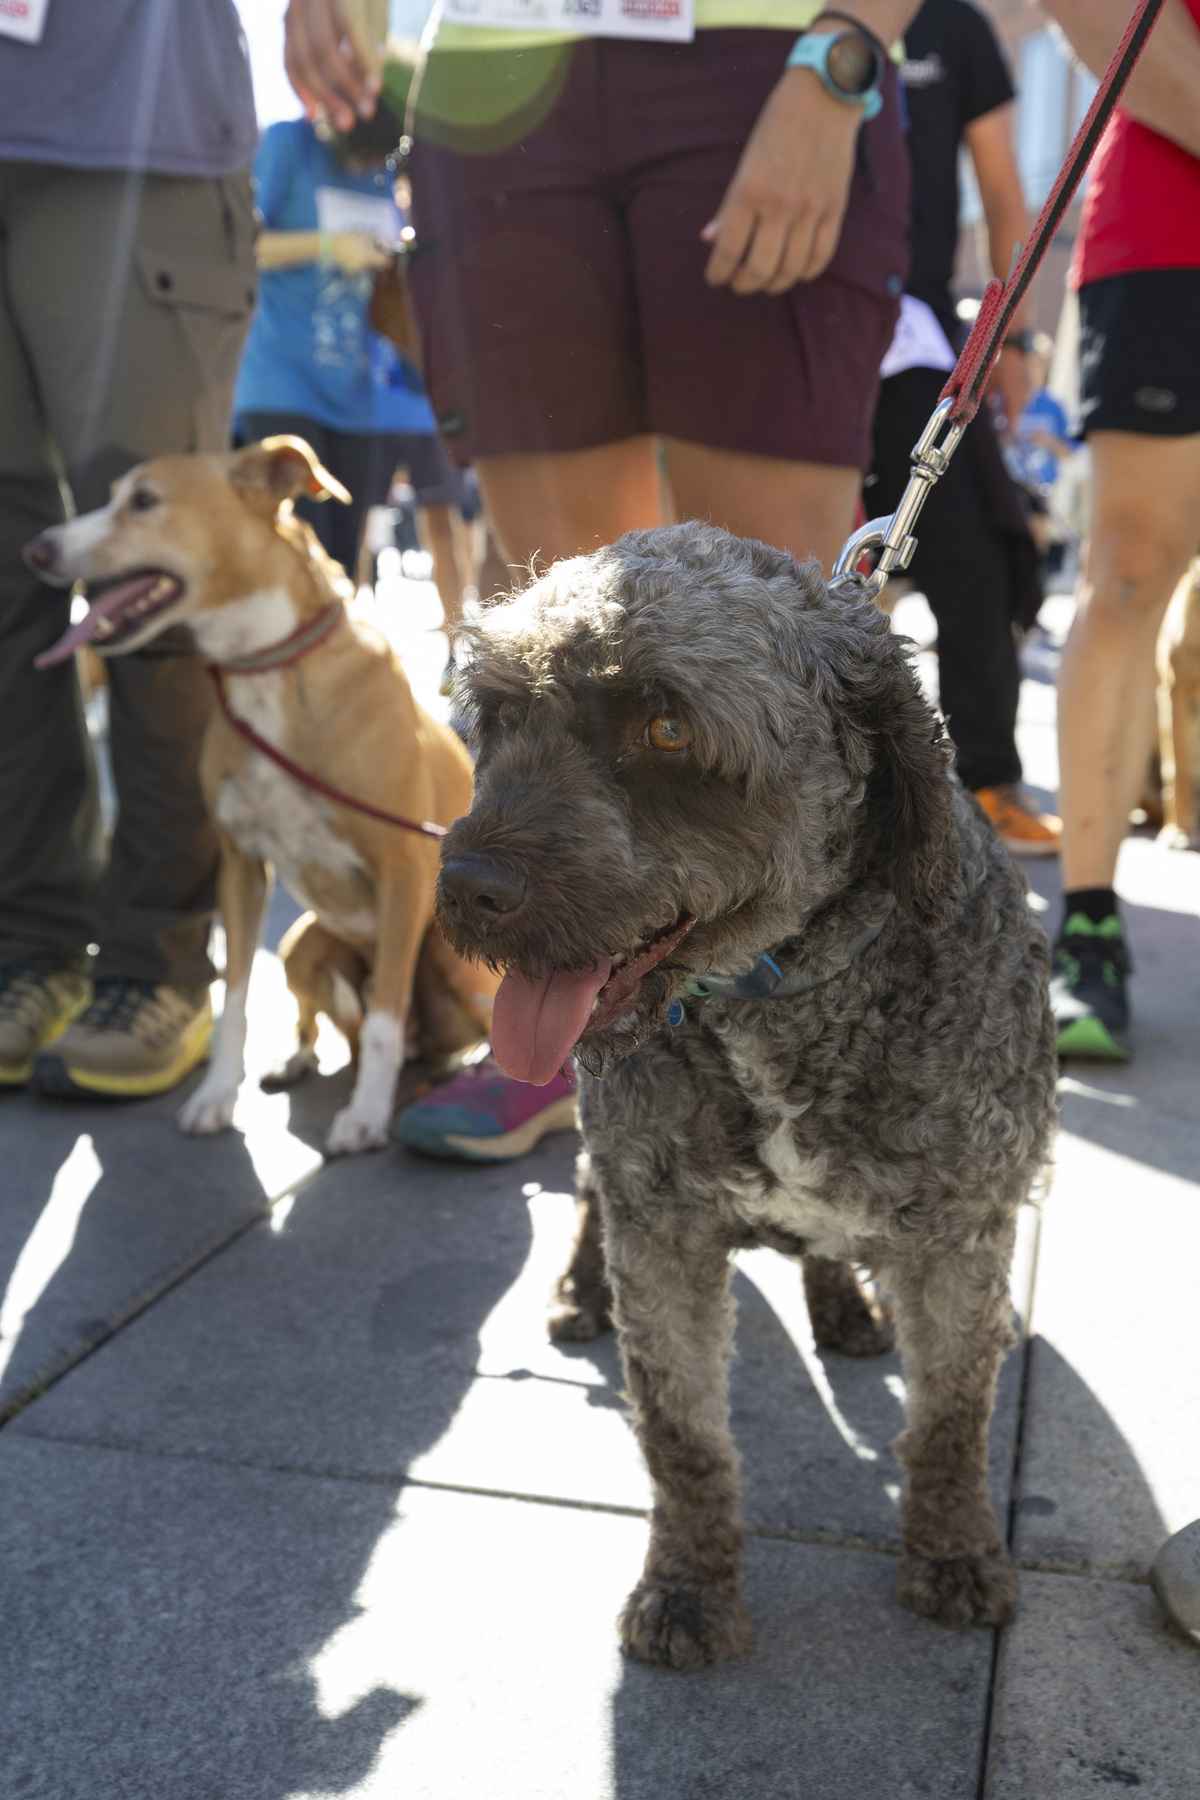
point(667, 733)
point(141, 500)
point(510, 715)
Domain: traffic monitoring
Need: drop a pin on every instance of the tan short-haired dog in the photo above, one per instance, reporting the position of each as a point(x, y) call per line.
point(1179, 713)
point(212, 542)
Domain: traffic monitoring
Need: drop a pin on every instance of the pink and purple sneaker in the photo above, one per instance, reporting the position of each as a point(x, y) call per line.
point(483, 1115)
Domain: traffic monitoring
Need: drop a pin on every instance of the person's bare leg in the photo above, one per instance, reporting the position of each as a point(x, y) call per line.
point(492, 574)
point(807, 508)
point(547, 507)
point(560, 505)
point(1145, 527)
point(435, 527)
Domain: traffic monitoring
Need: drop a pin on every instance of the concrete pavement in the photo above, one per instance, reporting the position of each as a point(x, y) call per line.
point(297, 1500)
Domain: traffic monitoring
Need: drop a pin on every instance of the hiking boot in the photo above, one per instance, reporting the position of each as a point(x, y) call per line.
point(136, 1038)
point(483, 1115)
point(1087, 989)
point(39, 997)
point(1023, 832)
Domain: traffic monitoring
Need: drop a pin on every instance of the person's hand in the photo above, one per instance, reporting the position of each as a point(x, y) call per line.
point(781, 216)
point(1010, 383)
point(354, 251)
point(323, 64)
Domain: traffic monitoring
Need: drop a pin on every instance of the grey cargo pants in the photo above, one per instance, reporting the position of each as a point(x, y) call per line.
point(124, 301)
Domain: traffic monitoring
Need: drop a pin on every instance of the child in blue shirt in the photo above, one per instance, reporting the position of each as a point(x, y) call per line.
point(312, 366)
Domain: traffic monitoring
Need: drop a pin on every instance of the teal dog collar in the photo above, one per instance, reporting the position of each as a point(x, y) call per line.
point(766, 980)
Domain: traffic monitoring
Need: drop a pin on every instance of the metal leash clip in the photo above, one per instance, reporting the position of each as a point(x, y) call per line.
point(893, 537)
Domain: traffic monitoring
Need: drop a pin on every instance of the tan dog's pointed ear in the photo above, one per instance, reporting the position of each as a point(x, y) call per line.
point(279, 469)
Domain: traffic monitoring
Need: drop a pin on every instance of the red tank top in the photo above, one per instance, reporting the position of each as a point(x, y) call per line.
point(1142, 209)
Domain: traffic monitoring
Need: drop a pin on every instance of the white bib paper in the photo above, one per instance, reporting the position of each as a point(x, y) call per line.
point(671, 21)
point(341, 209)
point(23, 19)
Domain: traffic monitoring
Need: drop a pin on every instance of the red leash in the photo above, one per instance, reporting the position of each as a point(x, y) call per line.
point(1002, 298)
point(278, 656)
point(959, 401)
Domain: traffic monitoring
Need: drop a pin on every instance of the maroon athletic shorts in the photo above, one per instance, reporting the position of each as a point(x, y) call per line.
point(559, 196)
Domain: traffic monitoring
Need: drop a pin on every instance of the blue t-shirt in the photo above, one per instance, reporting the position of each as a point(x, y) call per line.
point(310, 349)
point(1043, 413)
point(399, 393)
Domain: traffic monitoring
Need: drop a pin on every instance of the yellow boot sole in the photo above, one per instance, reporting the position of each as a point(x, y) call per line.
point(17, 1074)
point(59, 1079)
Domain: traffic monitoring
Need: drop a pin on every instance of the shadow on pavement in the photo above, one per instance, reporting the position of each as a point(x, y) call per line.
point(101, 1203)
point(1083, 1500)
point(172, 1577)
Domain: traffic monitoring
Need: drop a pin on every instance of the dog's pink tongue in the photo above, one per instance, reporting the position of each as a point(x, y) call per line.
point(113, 600)
point(536, 1020)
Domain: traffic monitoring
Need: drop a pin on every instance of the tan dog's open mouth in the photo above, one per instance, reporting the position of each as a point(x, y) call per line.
point(538, 1019)
point(117, 614)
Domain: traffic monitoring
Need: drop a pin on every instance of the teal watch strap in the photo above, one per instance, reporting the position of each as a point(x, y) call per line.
point(811, 51)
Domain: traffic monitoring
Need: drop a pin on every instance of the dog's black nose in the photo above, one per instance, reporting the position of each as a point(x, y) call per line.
point(479, 891)
point(41, 552)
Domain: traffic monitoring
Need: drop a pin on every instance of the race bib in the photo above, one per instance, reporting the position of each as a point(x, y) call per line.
point(672, 21)
point(341, 209)
point(23, 19)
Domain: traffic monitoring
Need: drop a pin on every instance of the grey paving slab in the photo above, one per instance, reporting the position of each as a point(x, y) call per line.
point(1096, 1694)
point(179, 1630)
point(103, 1200)
point(1110, 1463)
point(394, 1321)
point(1111, 1457)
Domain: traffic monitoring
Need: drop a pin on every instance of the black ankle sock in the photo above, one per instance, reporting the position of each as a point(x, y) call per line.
point(1096, 904)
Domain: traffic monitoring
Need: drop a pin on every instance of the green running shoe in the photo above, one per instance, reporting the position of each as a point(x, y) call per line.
point(1087, 989)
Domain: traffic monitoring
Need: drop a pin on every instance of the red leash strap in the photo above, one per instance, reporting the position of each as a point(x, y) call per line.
point(314, 781)
point(1001, 299)
point(892, 540)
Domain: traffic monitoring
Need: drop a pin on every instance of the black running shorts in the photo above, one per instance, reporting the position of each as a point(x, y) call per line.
point(1139, 353)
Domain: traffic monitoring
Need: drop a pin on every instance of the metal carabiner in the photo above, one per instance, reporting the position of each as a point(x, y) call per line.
point(893, 536)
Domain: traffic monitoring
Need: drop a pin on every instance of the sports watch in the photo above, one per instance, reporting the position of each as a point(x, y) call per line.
point(848, 63)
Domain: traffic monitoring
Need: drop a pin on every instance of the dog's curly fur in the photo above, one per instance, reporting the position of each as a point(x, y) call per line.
point(895, 1115)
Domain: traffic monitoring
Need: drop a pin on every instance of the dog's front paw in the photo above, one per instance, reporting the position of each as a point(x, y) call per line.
point(1174, 837)
point(207, 1111)
point(681, 1625)
point(579, 1310)
point(286, 1075)
point(960, 1590)
point(352, 1131)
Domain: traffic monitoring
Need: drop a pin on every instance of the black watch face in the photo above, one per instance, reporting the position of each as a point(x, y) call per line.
point(852, 63)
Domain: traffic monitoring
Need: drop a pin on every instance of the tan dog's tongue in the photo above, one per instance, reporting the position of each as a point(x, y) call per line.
point(537, 1020)
point(113, 600)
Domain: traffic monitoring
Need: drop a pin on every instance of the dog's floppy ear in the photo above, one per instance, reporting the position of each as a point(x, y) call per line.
point(279, 469)
point(910, 800)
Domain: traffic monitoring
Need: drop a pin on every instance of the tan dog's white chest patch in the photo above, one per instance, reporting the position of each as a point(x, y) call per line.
point(270, 815)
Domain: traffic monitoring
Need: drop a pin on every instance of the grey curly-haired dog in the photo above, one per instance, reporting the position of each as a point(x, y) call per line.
point(715, 845)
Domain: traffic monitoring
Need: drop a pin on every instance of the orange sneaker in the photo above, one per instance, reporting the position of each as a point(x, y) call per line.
point(1023, 832)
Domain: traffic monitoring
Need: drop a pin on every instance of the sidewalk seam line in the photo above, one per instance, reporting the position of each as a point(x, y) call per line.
point(1027, 1341)
point(149, 1296)
point(815, 1538)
